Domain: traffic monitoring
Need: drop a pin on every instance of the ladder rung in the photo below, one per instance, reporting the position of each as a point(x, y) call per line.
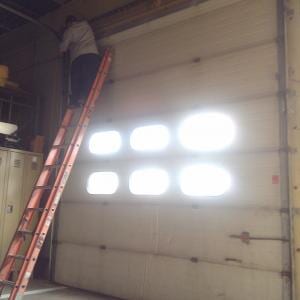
point(7, 283)
point(62, 146)
point(43, 187)
point(55, 166)
point(40, 209)
point(24, 231)
point(21, 257)
point(70, 126)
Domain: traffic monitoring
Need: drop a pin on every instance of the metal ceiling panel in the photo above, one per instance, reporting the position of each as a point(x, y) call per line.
point(32, 8)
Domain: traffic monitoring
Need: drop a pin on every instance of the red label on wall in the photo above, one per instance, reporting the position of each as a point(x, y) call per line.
point(275, 179)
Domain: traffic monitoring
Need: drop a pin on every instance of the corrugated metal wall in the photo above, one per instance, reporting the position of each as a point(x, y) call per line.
point(220, 56)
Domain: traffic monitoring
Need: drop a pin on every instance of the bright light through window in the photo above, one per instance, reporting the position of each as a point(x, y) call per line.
point(105, 183)
point(149, 182)
point(106, 142)
point(207, 132)
point(204, 181)
point(150, 138)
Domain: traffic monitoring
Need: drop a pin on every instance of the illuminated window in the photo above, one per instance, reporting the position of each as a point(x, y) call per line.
point(149, 182)
point(105, 183)
point(204, 181)
point(207, 132)
point(150, 138)
point(106, 142)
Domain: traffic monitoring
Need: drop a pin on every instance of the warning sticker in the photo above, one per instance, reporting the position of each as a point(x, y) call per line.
point(275, 179)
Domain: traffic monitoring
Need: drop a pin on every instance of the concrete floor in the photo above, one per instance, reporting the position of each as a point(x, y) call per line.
point(66, 294)
point(43, 290)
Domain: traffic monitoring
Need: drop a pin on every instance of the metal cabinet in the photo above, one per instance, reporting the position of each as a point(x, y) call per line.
point(18, 172)
point(32, 167)
point(3, 167)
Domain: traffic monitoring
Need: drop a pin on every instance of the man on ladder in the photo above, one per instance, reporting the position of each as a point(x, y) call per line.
point(29, 238)
point(79, 38)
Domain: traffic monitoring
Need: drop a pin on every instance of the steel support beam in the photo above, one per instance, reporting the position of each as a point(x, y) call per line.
point(284, 157)
point(137, 13)
point(292, 29)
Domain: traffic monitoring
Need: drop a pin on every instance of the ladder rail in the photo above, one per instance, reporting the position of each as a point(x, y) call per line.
point(33, 201)
point(60, 182)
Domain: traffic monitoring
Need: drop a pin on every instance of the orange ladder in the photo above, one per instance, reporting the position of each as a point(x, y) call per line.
point(47, 212)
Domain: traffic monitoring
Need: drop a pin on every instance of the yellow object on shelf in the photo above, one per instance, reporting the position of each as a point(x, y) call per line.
point(11, 84)
point(3, 75)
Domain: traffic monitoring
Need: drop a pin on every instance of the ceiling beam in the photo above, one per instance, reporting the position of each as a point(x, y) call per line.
point(19, 7)
point(26, 17)
point(137, 13)
point(19, 13)
point(61, 2)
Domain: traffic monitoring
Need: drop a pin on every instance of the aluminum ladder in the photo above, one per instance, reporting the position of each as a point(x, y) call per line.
point(59, 165)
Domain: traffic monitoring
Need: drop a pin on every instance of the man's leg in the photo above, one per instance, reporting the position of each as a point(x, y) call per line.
point(89, 72)
point(76, 81)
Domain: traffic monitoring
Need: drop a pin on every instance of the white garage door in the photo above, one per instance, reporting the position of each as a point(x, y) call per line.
point(189, 205)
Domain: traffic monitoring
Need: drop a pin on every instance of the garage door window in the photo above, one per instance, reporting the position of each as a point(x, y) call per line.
point(150, 138)
point(149, 182)
point(105, 142)
point(207, 132)
point(105, 183)
point(204, 181)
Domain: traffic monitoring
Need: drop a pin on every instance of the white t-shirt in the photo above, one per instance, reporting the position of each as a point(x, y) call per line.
point(79, 39)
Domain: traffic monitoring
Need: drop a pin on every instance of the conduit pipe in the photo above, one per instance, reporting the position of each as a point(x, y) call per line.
point(287, 288)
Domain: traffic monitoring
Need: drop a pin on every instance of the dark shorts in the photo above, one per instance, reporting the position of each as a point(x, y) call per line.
point(83, 73)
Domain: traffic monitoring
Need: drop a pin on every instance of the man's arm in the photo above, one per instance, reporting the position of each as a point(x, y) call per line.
point(66, 41)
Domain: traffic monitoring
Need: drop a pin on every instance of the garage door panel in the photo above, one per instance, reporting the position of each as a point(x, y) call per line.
point(107, 272)
point(262, 192)
point(189, 280)
point(239, 75)
point(256, 122)
point(108, 225)
point(179, 232)
point(221, 30)
point(132, 276)
point(68, 264)
point(205, 233)
point(80, 223)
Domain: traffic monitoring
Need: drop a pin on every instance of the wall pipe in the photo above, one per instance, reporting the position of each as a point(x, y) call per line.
point(28, 18)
